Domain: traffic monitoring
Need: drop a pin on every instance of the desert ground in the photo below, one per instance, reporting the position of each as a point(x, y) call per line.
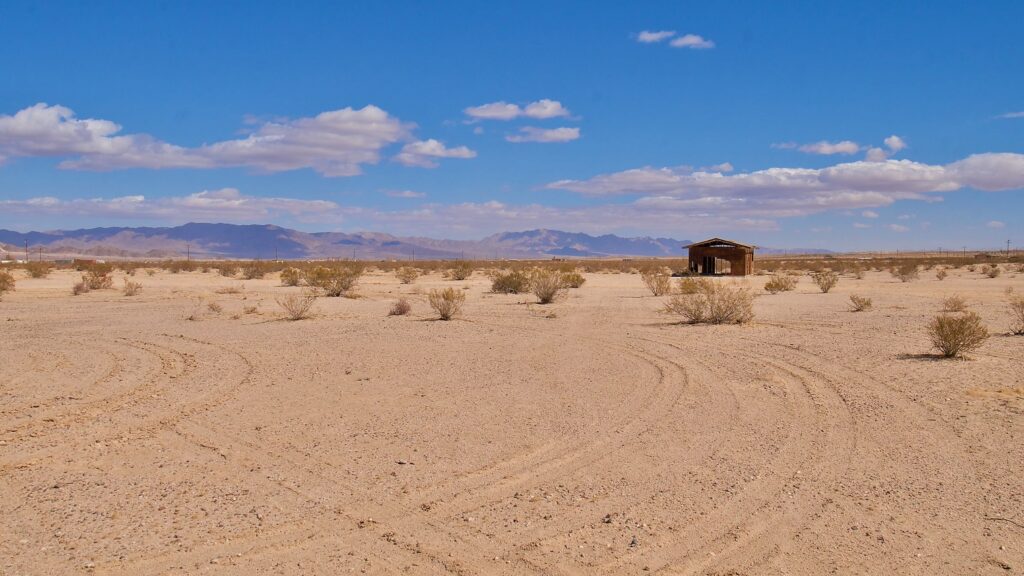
point(595, 435)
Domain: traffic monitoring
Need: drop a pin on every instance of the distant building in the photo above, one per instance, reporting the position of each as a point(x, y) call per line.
point(716, 256)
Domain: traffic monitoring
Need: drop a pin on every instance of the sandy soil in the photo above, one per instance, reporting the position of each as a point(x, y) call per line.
point(591, 436)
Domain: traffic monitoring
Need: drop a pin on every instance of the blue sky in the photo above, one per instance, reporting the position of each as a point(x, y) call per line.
point(797, 124)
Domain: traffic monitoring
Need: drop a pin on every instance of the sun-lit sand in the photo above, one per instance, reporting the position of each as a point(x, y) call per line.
point(595, 435)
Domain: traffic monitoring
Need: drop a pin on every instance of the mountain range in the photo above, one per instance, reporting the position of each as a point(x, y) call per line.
point(268, 241)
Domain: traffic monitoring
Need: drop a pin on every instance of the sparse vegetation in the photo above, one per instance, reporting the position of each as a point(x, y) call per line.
point(511, 282)
point(1017, 314)
point(334, 281)
point(291, 276)
point(461, 271)
point(572, 279)
point(297, 306)
point(407, 274)
point(957, 334)
point(400, 308)
point(780, 283)
point(714, 303)
point(131, 288)
point(38, 269)
point(940, 274)
point(859, 303)
point(546, 284)
point(254, 270)
point(97, 277)
point(954, 303)
point(447, 303)
point(905, 272)
point(658, 282)
point(80, 287)
point(227, 270)
point(993, 271)
point(6, 282)
point(826, 280)
point(687, 285)
point(215, 307)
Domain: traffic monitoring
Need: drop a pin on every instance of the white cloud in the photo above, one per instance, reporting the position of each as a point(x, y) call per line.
point(424, 153)
point(869, 214)
point(533, 134)
point(827, 148)
point(861, 225)
point(784, 145)
point(723, 167)
point(405, 194)
point(996, 224)
point(894, 143)
point(1012, 115)
point(649, 37)
point(540, 110)
point(898, 228)
point(876, 155)
point(333, 143)
point(692, 41)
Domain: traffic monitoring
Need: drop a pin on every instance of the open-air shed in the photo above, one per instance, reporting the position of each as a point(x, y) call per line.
point(718, 256)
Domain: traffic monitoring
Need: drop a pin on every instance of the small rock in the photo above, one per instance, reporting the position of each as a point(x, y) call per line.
point(634, 542)
point(607, 519)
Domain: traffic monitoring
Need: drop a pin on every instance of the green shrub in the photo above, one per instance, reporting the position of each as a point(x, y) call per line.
point(512, 282)
point(334, 281)
point(826, 280)
point(38, 269)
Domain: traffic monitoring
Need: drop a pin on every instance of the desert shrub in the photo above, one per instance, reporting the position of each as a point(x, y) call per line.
point(1017, 315)
point(38, 269)
point(227, 270)
point(131, 288)
point(400, 308)
point(780, 283)
point(407, 275)
point(941, 274)
point(858, 272)
point(657, 281)
point(290, 277)
point(994, 271)
point(956, 334)
point(826, 280)
point(98, 279)
point(447, 303)
point(714, 303)
point(688, 286)
point(334, 281)
point(80, 287)
point(251, 309)
point(150, 272)
point(176, 266)
point(971, 267)
point(546, 284)
point(511, 282)
point(6, 282)
point(905, 272)
point(215, 307)
point(297, 306)
point(461, 271)
point(572, 279)
point(859, 303)
point(954, 303)
point(254, 271)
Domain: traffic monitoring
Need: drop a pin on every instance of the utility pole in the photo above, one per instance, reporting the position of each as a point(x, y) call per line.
point(26, 250)
point(1007, 247)
point(188, 252)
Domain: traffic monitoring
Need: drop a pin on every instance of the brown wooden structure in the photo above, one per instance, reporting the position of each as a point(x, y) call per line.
point(716, 256)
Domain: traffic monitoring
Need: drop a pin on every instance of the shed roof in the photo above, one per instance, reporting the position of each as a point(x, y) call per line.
point(720, 241)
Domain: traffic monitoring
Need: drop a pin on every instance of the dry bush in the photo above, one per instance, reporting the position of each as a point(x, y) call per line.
point(1017, 315)
point(6, 282)
point(447, 303)
point(253, 309)
point(254, 271)
point(572, 279)
point(290, 277)
point(400, 308)
point(826, 280)
point(176, 266)
point(858, 272)
point(971, 267)
point(334, 281)
point(38, 269)
point(230, 289)
point(407, 275)
point(546, 284)
point(954, 303)
point(780, 283)
point(714, 303)
point(994, 271)
point(905, 272)
point(297, 306)
point(215, 307)
point(461, 271)
point(150, 272)
point(227, 270)
point(955, 335)
point(688, 286)
point(98, 279)
point(657, 281)
point(859, 303)
point(941, 274)
point(511, 282)
point(131, 288)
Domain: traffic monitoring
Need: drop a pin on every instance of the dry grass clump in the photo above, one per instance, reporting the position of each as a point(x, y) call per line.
point(859, 303)
point(407, 275)
point(334, 281)
point(1017, 314)
point(447, 303)
point(38, 269)
point(97, 277)
point(905, 272)
point(658, 282)
point(546, 284)
point(688, 285)
point(400, 308)
point(290, 277)
point(297, 306)
point(954, 303)
point(461, 271)
point(230, 289)
point(511, 282)
point(6, 282)
point(254, 271)
point(826, 280)
point(993, 271)
point(714, 303)
point(215, 307)
point(572, 279)
point(941, 274)
point(956, 334)
point(227, 270)
point(780, 283)
point(131, 288)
